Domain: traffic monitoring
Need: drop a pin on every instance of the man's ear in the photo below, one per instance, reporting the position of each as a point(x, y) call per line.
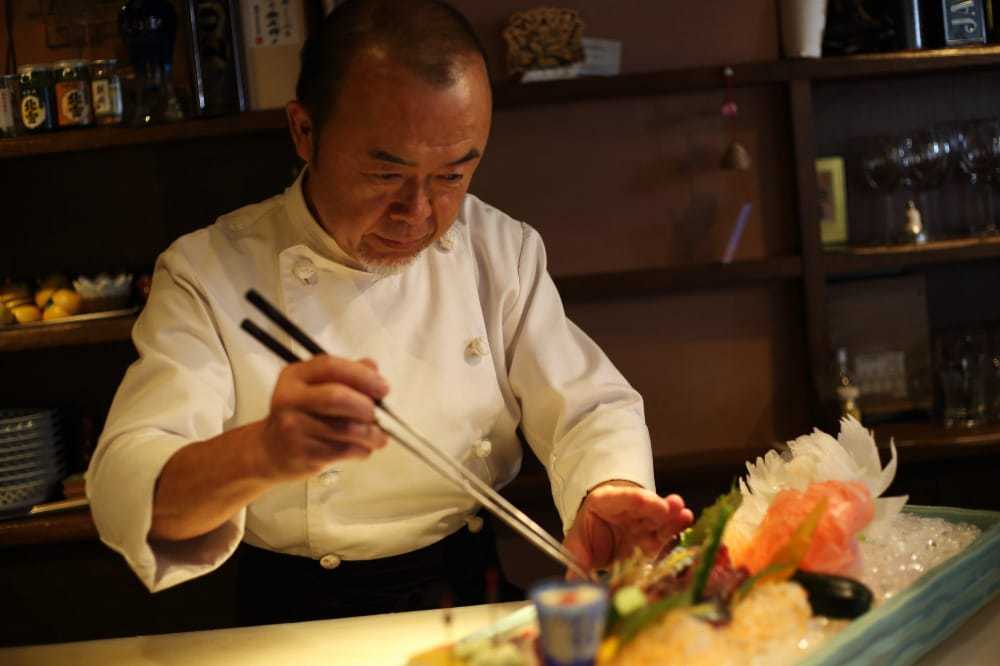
point(302, 129)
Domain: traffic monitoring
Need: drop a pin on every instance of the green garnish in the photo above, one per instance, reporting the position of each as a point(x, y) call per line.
point(697, 533)
point(639, 620)
point(707, 532)
point(711, 548)
point(628, 600)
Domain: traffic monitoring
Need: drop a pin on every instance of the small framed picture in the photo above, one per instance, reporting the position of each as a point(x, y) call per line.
point(832, 191)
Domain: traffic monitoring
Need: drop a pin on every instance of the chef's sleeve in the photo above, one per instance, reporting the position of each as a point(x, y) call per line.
point(179, 391)
point(580, 416)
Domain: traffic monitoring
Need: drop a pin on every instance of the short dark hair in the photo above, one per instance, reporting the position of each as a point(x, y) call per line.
point(430, 37)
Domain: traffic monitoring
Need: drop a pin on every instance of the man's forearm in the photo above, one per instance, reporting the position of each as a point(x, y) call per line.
point(204, 484)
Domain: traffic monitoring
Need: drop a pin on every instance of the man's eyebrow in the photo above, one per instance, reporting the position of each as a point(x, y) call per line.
point(386, 156)
point(468, 157)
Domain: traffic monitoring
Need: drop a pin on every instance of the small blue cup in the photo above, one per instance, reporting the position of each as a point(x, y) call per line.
point(571, 617)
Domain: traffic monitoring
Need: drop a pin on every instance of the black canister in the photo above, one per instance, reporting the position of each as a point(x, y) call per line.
point(35, 107)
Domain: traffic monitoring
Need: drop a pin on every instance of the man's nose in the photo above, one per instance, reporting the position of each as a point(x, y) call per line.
point(414, 204)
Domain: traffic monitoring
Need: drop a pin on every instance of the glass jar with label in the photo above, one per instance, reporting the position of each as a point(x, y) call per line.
point(72, 94)
point(35, 106)
point(106, 89)
point(9, 88)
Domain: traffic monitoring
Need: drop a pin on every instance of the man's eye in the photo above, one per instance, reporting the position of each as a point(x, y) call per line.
point(451, 177)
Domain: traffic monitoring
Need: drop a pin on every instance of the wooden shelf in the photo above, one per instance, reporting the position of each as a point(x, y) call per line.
point(876, 259)
point(696, 276)
point(663, 82)
point(924, 441)
point(576, 287)
point(62, 527)
point(512, 95)
point(872, 65)
point(64, 335)
point(96, 138)
point(507, 95)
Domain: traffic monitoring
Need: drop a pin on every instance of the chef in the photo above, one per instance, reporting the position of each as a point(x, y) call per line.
point(422, 295)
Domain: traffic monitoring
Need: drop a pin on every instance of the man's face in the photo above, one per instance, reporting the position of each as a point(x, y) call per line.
point(395, 159)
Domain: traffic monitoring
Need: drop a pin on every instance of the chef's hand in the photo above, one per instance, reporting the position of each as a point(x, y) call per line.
point(322, 410)
point(618, 516)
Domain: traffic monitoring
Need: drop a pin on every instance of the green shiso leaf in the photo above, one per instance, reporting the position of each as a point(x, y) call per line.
point(711, 547)
point(709, 518)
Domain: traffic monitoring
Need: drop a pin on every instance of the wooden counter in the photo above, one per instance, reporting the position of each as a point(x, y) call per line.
point(387, 640)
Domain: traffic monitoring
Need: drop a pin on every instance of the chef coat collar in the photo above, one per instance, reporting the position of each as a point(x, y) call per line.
point(321, 242)
point(316, 236)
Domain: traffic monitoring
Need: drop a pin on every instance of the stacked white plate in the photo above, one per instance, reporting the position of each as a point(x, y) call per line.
point(32, 457)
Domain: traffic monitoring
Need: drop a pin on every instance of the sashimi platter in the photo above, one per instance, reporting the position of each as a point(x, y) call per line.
point(803, 562)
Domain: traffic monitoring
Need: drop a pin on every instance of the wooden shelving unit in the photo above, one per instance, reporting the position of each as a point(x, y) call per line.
point(18, 338)
point(507, 95)
point(697, 276)
point(97, 138)
point(923, 441)
point(512, 95)
point(812, 268)
point(63, 527)
point(625, 284)
point(892, 64)
point(861, 260)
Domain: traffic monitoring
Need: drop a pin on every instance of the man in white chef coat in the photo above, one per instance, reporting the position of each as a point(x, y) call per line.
point(423, 295)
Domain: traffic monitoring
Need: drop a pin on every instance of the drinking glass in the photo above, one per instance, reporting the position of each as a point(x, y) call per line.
point(925, 161)
point(880, 164)
point(962, 360)
point(993, 372)
point(979, 159)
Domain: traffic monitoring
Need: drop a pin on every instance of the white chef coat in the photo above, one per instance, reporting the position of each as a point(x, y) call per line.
point(472, 339)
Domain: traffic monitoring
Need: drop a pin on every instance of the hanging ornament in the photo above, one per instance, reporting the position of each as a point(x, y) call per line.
point(736, 157)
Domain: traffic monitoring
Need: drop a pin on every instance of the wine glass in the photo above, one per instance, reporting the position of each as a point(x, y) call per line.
point(979, 159)
point(880, 164)
point(925, 160)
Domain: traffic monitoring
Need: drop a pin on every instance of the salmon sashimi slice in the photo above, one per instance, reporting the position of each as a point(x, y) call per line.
point(834, 546)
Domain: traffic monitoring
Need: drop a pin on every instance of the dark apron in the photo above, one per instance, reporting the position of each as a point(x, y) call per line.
point(275, 588)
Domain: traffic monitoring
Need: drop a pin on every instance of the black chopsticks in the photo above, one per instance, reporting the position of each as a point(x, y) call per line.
point(417, 444)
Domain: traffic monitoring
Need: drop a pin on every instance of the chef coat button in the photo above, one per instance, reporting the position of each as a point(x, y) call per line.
point(484, 448)
point(474, 523)
point(305, 271)
point(446, 243)
point(330, 561)
point(477, 347)
point(329, 478)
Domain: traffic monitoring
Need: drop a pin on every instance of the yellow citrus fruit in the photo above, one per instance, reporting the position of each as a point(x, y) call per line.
point(26, 313)
point(54, 312)
point(43, 295)
point(10, 293)
point(68, 300)
point(17, 301)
